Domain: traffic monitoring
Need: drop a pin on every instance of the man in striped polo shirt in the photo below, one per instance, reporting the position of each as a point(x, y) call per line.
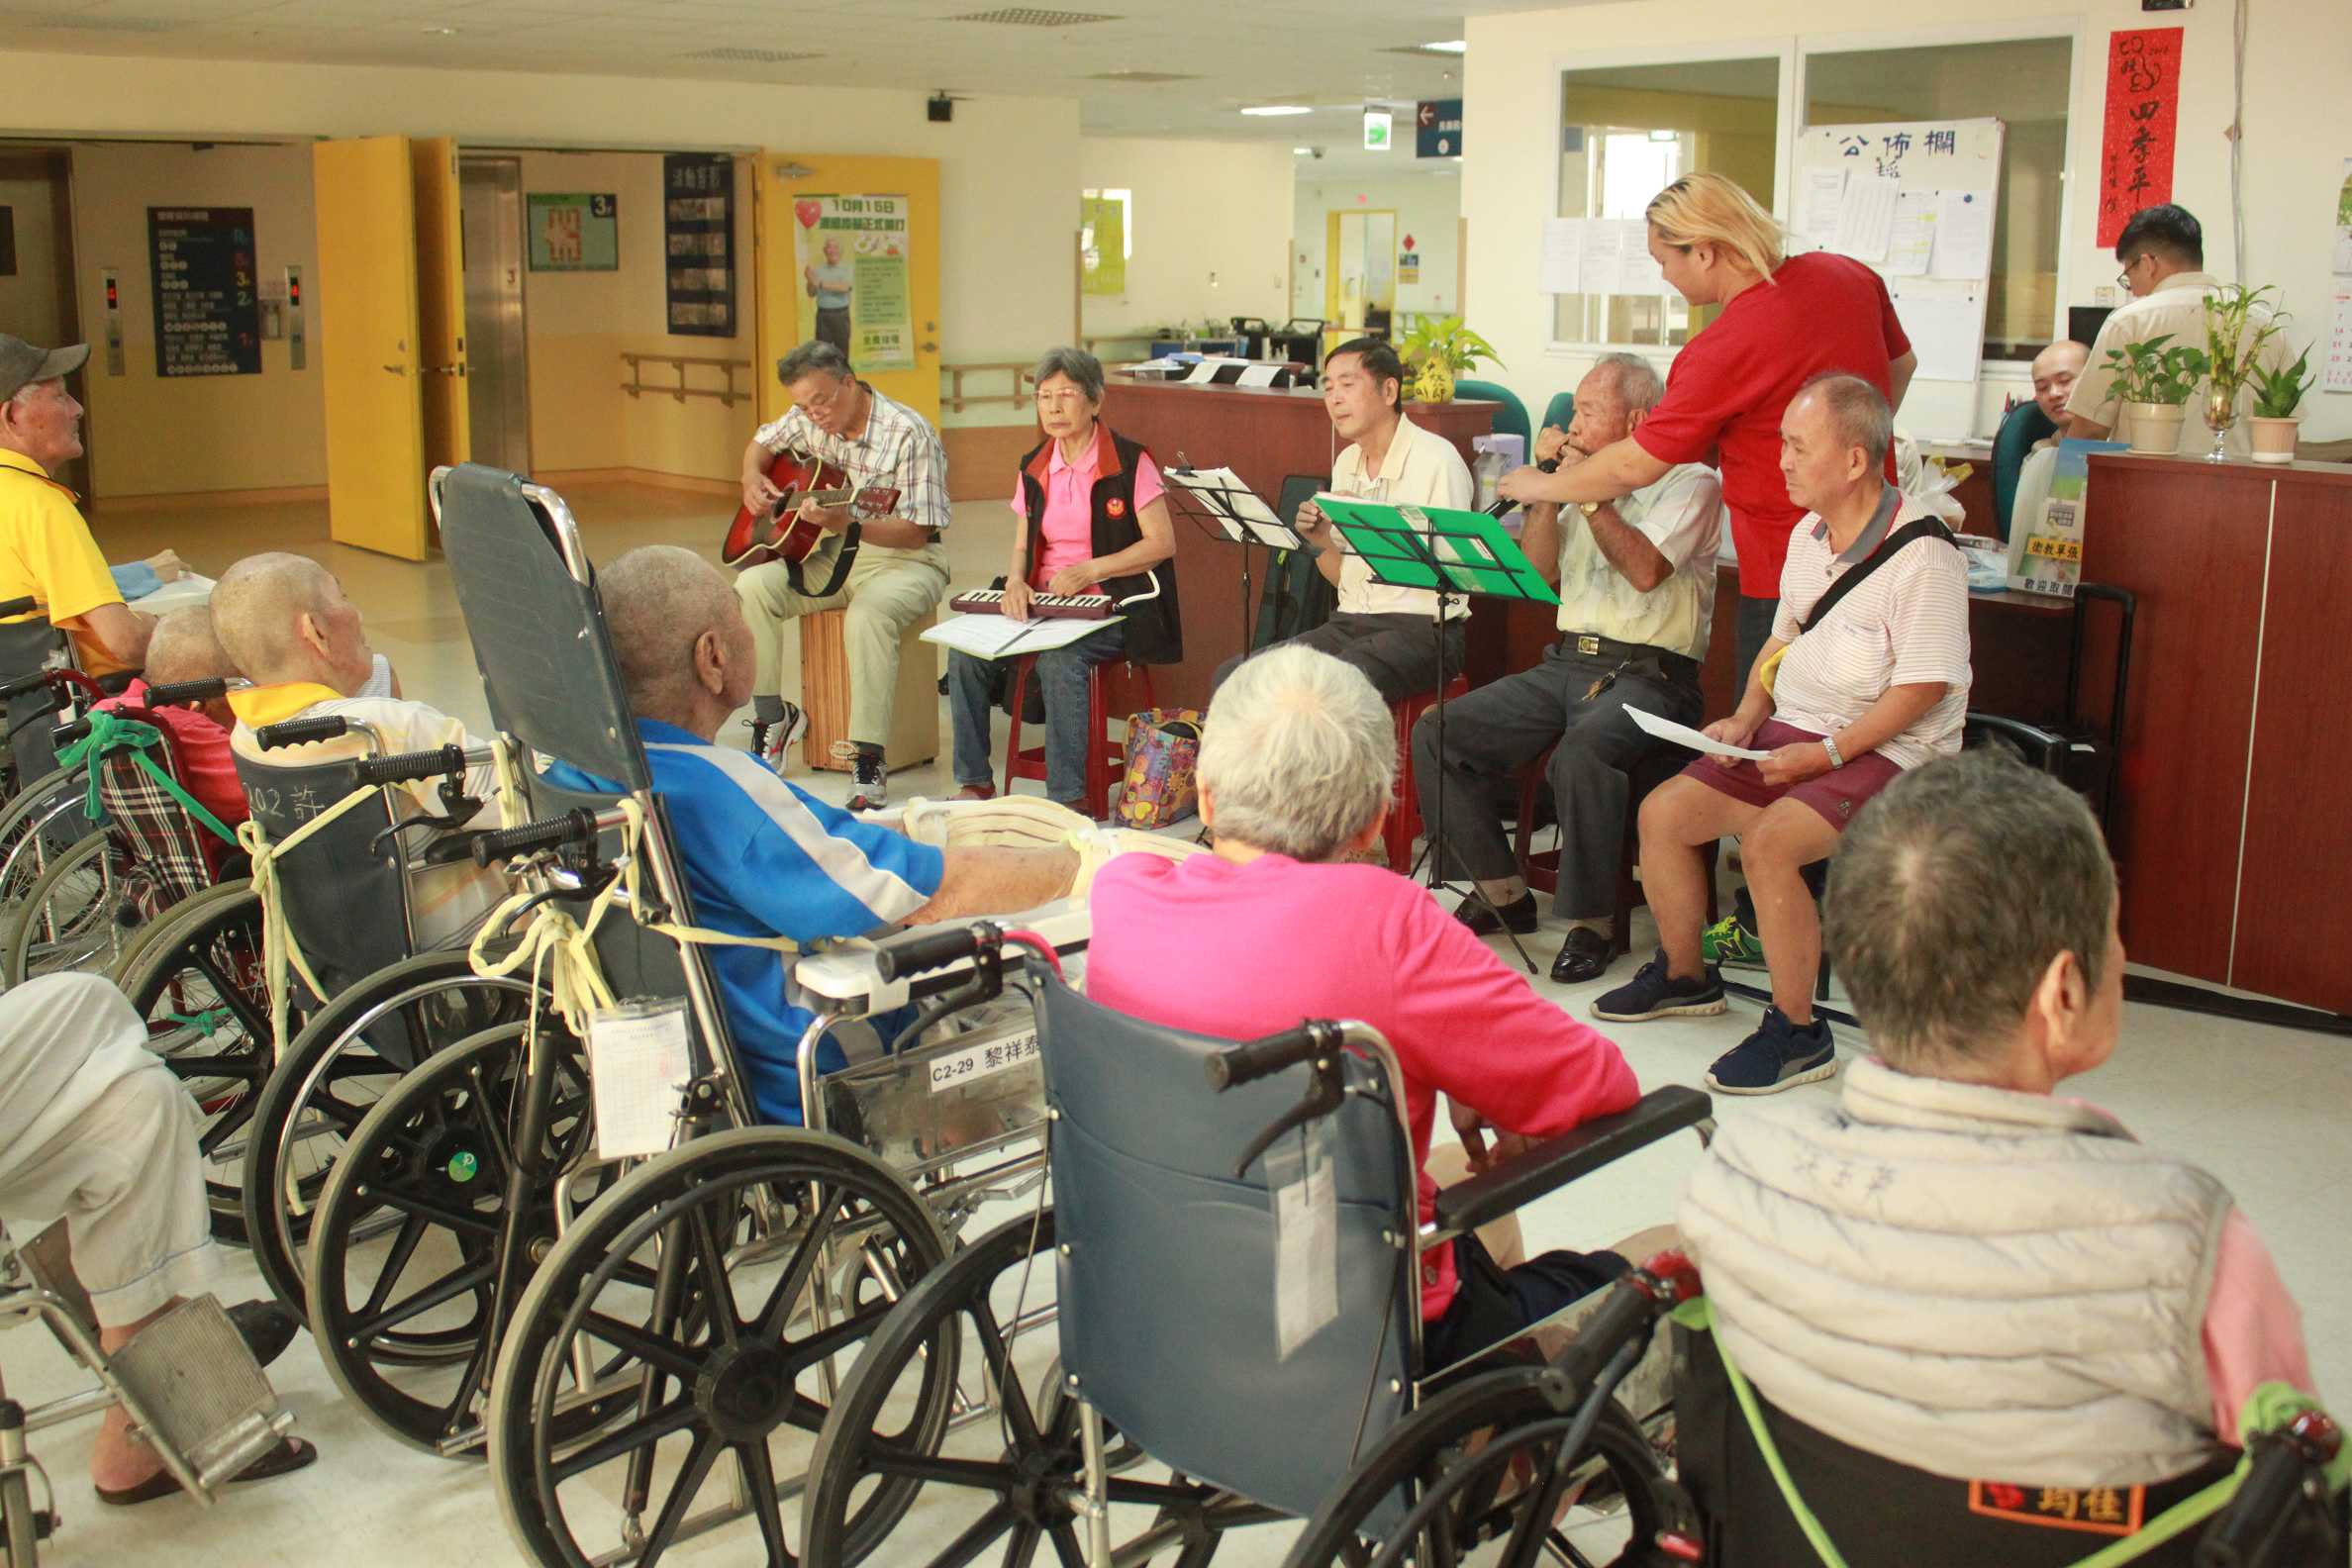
point(1872, 682)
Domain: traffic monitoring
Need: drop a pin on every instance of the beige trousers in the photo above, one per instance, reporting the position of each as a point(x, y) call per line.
point(887, 592)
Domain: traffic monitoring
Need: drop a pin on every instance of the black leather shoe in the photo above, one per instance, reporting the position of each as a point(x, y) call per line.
point(1519, 916)
point(266, 1326)
point(1585, 955)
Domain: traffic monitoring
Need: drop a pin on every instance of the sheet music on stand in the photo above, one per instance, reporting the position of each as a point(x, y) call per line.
point(1240, 513)
point(1439, 548)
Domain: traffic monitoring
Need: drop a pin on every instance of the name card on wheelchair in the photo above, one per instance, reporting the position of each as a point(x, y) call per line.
point(1306, 1199)
point(638, 1067)
point(958, 1068)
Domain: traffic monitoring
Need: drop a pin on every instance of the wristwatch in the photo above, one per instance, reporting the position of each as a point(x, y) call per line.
point(1830, 746)
point(1587, 507)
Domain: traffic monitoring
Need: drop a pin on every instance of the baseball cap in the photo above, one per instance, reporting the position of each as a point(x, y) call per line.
point(23, 363)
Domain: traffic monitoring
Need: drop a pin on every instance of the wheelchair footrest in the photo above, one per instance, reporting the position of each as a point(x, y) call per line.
point(204, 1397)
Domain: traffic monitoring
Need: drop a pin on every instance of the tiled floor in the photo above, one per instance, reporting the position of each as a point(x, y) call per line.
point(2262, 1108)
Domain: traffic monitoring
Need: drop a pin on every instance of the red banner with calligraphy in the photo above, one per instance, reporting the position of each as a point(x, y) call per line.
point(2143, 111)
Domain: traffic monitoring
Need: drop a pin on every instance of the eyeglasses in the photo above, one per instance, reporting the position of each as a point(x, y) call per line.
point(1060, 398)
point(827, 401)
point(2124, 277)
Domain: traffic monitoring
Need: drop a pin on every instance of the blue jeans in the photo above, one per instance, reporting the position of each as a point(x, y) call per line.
point(1061, 674)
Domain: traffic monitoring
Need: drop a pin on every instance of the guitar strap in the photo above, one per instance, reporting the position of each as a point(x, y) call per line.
point(845, 553)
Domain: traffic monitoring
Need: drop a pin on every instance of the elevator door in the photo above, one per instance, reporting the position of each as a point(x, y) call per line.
point(491, 200)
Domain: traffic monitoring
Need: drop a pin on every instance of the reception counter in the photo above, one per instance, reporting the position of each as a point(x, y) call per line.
point(1265, 434)
point(2230, 832)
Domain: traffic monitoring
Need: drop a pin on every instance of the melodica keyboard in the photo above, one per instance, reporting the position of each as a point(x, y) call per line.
point(1044, 607)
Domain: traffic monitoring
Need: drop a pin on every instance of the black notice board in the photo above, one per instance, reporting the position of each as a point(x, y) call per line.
point(698, 236)
point(208, 311)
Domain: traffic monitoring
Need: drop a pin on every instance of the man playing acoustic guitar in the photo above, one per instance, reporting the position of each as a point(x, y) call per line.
point(899, 571)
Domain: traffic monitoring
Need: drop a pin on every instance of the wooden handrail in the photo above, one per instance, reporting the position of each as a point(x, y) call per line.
point(729, 396)
point(955, 373)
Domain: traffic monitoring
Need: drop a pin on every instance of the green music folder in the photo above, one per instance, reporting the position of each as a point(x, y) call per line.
point(1436, 549)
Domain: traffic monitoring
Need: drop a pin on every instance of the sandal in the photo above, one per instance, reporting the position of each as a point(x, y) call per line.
point(291, 1454)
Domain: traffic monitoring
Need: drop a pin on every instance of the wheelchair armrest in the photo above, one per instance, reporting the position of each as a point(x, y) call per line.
point(2032, 740)
point(1580, 1151)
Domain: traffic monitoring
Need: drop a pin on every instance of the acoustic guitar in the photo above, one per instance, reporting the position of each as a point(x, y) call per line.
point(784, 533)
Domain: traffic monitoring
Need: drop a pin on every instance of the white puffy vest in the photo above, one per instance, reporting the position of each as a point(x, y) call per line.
point(1976, 1282)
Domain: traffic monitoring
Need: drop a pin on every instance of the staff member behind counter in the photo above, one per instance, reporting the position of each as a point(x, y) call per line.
point(1786, 320)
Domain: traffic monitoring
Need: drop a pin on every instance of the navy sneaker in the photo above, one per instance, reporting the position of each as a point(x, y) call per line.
point(1651, 993)
point(1779, 1055)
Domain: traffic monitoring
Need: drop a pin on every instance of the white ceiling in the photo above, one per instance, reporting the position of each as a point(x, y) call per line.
point(1333, 53)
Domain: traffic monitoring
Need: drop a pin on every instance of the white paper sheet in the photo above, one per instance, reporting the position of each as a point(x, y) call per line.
point(1946, 332)
point(992, 637)
point(1220, 490)
point(1964, 234)
point(1259, 376)
point(1641, 274)
point(2337, 376)
point(1818, 206)
point(1561, 271)
point(1685, 735)
point(1911, 246)
point(1603, 256)
point(1866, 218)
point(638, 1065)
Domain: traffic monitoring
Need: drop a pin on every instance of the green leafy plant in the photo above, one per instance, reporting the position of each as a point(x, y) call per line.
point(2277, 393)
point(2238, 325)
point(2149, 372)
point(1446, 342)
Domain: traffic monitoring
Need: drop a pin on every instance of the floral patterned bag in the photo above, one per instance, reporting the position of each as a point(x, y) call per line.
point(1163, 745)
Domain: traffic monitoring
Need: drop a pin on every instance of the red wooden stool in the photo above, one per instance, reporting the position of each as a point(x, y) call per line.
point(1405, 818)
point(1106, 756)
point(1542, 868)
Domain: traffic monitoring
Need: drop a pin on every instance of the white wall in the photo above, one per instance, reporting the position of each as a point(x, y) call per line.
point(2299, 55)
point(1211, 222)
point(1428, 200)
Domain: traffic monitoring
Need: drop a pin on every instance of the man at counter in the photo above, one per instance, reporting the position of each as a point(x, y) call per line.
point(2162, 249)
point(1382, 631)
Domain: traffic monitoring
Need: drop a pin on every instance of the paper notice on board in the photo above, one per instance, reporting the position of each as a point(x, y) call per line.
point(1819, 204)
point(1603, 256)
point(2337, 376)
point(1945, 331)
point(1962, 235)
point(2343, 223)
point(1866, 218)
point(1561, 271)
point(1641, 273)
point(1912, 244)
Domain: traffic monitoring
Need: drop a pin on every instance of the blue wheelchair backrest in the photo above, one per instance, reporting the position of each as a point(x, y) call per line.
point(1167, 1283)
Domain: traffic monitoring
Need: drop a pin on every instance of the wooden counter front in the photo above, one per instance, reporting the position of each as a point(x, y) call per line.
point(1265, 434)
point(2230, 832)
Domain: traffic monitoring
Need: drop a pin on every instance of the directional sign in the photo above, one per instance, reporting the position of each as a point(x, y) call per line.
point(1438, 128)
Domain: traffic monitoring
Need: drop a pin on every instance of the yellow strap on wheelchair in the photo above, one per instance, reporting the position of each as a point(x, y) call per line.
point(634, 834)
point(279, 950)
point(2269, 1407)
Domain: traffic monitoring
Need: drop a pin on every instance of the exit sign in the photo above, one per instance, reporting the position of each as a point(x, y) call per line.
point(1379, 127)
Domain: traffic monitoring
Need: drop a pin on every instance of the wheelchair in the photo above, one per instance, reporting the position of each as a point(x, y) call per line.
point(42, 818)
point(583, 1312)
point(1164, 1262)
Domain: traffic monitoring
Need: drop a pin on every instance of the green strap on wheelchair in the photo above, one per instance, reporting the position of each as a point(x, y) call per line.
point(2266, 1409)
point(111, 733)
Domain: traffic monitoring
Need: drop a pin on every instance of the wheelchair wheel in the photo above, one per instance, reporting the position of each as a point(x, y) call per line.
point(36, 826)
point(413, 1230)
point(1474, 1463)
point(697, 1285)
point(956, 1413)
point(333, 1074)
point(72, 918)
point(196, 976)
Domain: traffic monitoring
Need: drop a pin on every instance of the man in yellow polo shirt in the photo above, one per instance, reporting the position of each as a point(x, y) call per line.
point(46, 548)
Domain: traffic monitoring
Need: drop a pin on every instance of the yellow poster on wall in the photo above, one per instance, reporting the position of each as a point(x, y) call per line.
point(1103, 244)
point(851, 252)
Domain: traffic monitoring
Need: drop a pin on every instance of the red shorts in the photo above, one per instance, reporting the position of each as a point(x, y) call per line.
point(1836, 794)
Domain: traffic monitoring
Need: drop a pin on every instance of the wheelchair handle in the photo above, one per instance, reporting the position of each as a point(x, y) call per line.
point(16, 607)
point(195, 691)
point(24, 686)
point(917, 952)
point(2250, 1529)
point(408, 766)
point(1236, 1065)
point(1635, 1304)
point(578, 826)
point(300, 731)
point(72, 734)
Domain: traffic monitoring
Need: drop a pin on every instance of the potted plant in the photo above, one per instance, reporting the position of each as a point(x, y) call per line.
point(1436, 350)
point(2277, 394)
point(2238, 327)
point(2155, 383)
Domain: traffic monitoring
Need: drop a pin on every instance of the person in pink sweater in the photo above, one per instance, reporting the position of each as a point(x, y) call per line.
point(1297, 768)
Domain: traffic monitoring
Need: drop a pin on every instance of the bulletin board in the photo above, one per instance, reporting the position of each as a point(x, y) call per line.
point(1917, 202)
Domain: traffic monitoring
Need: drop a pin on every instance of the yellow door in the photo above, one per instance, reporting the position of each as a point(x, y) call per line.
point(440, 302)
point(882, 216)
point(368, 341)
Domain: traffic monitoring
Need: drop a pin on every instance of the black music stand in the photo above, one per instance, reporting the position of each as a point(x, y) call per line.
point(1446, 552)
point(1222, 507)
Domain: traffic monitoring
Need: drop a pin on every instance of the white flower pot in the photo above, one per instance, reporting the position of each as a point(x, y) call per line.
point(2156, 426)
point(2274, 438)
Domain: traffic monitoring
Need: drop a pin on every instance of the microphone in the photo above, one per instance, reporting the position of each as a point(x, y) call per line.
point(1500, 508)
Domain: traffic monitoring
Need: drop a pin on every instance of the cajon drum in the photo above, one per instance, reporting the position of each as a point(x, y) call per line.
point(825, 694)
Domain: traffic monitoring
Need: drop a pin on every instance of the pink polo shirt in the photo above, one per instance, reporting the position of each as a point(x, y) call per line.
point(1069, 506)
point(1241, 951)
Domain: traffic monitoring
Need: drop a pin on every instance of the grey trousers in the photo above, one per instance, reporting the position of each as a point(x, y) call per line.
point(1397, 652)
point(1509, 722)
point(1749, 633)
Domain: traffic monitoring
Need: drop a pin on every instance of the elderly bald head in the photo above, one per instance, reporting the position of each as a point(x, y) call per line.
point(2055, 369)
point(284, 618)
point(679, 635)
point(185, 648)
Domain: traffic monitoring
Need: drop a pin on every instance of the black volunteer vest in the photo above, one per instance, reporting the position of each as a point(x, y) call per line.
point(1154, 632)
